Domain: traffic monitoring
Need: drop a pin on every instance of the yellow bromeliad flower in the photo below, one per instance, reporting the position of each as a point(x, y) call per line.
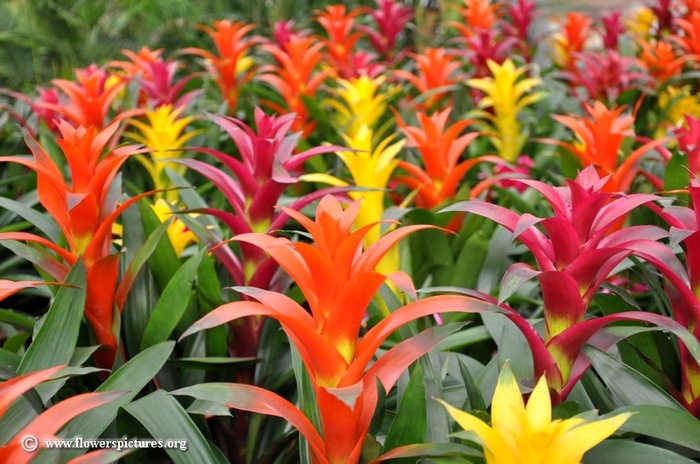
point(522, 434)
point(178, 233)
point(362, 104)
point(164, 135)
point(676, 102)
point(507, 95)
point(641, 22)
point(371, 168)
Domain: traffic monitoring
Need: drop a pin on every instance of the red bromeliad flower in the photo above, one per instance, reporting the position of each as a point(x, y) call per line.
point(441, 149)
point(156, 79)
point(88, 100)
point(47, 425)
point(577, 251)
point(605, 76)
point(295, 75)
point(436, 68)
point(612, 30)
point(485, 46)
point(689, 143)
point(684, 296)
point(521, 15)
point(230, 67)
point(84, 207)
point(390, 17)
point(338, 281)
point(37, 105)
point(599, 141)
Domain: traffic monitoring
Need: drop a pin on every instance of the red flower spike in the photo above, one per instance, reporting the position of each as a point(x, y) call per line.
point(689, 143)
point(575, 255)
point(390, 17)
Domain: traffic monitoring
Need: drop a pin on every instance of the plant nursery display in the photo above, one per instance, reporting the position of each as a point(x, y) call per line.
point(459, 231)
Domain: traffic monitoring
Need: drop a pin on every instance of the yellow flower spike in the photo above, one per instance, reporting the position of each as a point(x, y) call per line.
point(370, 168)
point(641, 22)
point(164, 134)
point(507, 95)
point(361, 104)
point(522, 434)
point(178, 233)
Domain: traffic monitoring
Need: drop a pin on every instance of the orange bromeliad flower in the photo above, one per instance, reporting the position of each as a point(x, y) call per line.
point(89, 99)
point(231, 68)
point(690, 40)
point(572, 39)
point(476, 15)
point(338, 281)
point(339, 23)
point(441, 148)
point(295, 75)
point(600, 138)
point(84, 206)
point(661, 61)
point(436, 68)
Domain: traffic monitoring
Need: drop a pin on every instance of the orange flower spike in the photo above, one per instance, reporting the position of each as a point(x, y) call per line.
point(600, 138)
point(294, 75)
point(436, 68)
point(690, 41)
point(476, 14)
point(441, 148)
point(572, 39)
point(231, 68)
point(661, 61)
point(89, 99)
point(139, 61)
point(338, 24)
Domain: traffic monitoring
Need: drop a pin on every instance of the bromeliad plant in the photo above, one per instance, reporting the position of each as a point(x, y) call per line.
point(506, 95)
point(576, 253)
point(338, 280)
point(83, 202)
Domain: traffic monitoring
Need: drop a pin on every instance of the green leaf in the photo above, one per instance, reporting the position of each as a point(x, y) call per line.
point(172, 303)
point(131, 377)
point(206, 363)
point(476, 401)
point(630, 452)
point(16, 319)
point(627, 384)
point(40, 220)
point(669, 424)
point(163, 261)
point(307, 399)
point(55, 341)
point(165, 419)
point(454, 450)
point(409, 425)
